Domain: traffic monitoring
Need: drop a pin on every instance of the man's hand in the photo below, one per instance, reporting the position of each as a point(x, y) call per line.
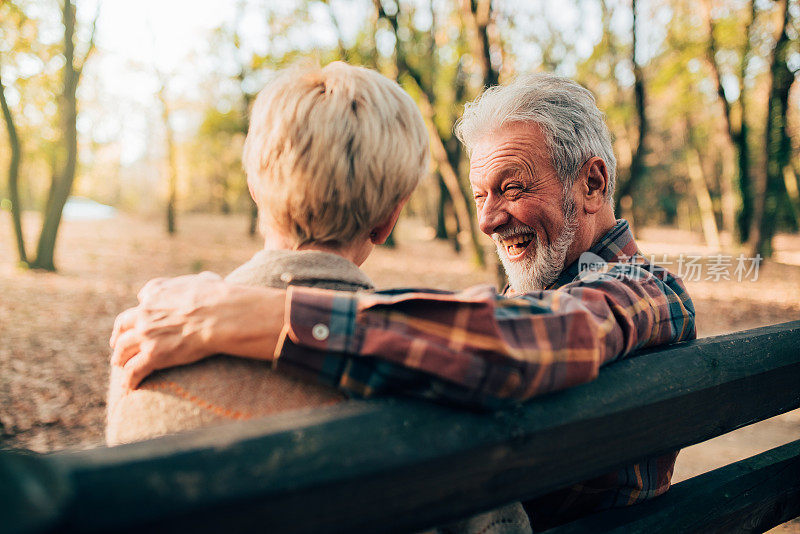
point(182, 320)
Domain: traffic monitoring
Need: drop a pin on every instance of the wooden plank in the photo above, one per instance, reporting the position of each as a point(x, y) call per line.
point(753, 495)
point(33, 493)
point(398, 466)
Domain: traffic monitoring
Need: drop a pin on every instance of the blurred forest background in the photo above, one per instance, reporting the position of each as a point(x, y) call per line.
point(144, 106)
point(123, 125)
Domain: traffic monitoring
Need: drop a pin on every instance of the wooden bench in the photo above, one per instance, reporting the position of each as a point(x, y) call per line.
point(400, 466)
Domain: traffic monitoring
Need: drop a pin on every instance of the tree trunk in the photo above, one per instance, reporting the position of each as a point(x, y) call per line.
point(221, 180)
point(790, 180)
point(637, 168)
point(172, 169)
point(745, 216)
point(438, 150)
point(737, 133)
point(390, 241)
point(13, 176)
point(253, 228)
point(455, 155)
point(64, 177)
point(772, 189)
point(700, 188)
point(742, 138)
point(171, 213)
point(245, 103)
point(456, 230)
point(450, 178)
point(478, 15)
point(728, 196)
point(441, 209)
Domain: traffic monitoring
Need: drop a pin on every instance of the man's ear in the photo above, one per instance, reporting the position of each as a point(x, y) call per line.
point(593, 180)
point(379, 234)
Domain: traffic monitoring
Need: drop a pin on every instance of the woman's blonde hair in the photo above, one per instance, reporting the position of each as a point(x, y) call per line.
point(332, 151)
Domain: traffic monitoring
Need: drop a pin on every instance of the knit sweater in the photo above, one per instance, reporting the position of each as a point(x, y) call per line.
point(225, 388)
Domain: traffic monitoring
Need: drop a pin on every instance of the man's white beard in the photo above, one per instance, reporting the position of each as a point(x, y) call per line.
point(542, 266)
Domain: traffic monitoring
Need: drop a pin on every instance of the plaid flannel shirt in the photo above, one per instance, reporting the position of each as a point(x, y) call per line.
point(478, 348)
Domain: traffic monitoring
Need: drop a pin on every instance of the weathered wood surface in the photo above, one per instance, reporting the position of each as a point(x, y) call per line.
point(33, 492)
point(753, 495)
point(399, 465)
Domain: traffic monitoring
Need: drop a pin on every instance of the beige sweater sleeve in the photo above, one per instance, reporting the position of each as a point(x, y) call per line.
point(217, 390)
point(224, 388)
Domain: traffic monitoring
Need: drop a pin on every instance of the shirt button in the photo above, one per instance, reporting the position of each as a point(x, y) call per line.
point(320, 332)
point(286, 277)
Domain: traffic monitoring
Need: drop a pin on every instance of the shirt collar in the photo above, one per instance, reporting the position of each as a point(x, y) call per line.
point(617, 245)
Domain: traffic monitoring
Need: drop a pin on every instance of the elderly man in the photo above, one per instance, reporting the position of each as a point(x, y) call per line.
point(542, 172)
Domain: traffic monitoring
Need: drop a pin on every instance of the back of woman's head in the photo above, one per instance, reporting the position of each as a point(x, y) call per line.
point(332, 151)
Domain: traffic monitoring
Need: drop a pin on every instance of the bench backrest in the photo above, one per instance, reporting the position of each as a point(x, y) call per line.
point(353, 467)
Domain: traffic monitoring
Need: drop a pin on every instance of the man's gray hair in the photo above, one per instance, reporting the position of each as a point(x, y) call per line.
point(573, 127)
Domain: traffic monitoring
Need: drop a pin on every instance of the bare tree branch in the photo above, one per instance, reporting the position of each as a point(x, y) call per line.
point(13, 174)
point(438, 149)
point(403, 66)
point(477, 14)
point(343, 53)
point(711, 56)
point(90, 45)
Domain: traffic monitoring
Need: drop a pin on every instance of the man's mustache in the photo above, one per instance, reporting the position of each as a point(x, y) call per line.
point(512, 231)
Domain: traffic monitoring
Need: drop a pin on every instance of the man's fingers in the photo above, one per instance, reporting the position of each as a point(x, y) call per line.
point(208, 275)
point(124, 322)
point(127, 344)
point(135, 370)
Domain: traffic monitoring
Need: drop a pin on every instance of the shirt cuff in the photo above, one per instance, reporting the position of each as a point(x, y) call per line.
point(318, 319)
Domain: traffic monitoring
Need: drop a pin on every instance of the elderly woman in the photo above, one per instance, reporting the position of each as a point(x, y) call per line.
point(331, 157)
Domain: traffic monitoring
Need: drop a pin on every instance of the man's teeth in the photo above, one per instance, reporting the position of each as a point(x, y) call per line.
point(516, 244)
point(517, 239)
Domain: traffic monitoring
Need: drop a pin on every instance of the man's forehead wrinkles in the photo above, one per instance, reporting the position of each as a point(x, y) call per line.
point(522, 147)
point(499, 164)
point(514, 146)
point(516, 150)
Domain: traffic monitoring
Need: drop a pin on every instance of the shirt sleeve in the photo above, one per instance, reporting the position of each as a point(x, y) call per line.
point(476, 347)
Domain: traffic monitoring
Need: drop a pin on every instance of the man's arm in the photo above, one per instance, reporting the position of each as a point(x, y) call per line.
point(471, 347)
point(477, 348)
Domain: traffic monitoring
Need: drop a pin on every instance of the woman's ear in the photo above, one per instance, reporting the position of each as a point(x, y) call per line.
point(379, 234)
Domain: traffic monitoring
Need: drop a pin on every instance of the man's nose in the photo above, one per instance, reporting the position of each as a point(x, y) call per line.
point(491, 215)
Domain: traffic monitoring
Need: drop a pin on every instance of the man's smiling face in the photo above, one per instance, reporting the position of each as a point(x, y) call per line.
point(521, 204)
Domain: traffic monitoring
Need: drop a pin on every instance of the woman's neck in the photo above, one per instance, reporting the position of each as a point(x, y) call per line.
point(355, 252)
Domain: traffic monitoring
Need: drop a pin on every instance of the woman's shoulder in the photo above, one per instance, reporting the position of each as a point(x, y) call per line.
point(310, 268)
